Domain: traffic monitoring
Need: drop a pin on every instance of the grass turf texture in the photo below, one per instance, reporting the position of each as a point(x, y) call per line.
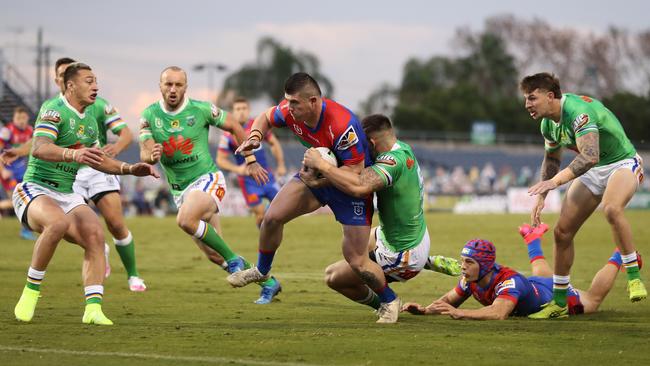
point(189, 315)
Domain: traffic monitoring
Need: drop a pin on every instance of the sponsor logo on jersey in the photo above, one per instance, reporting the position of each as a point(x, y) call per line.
point(505, 285)
point(91, 132)
point(386, 160)
point(51, 116)
point(158, 123)
point(190, 121)
point(348, 139)
point(586, 98)
point(80, 132)
point(175, 124)
point(580, 121)
point(177, 143)
point(409, 163)
point(216, 111)
point(109, 109)
point(72, 123)
point(297, 129)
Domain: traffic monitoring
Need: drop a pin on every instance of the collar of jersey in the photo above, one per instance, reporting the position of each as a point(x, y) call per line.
point(562, 100)
point(320, 119)
point(395, 146)
point(173, 113)
point(65, 101)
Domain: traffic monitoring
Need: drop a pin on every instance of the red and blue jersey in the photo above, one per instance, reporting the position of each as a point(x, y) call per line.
point(12, 136)
point(528, 295)
point(506, 284)
point(338, 129)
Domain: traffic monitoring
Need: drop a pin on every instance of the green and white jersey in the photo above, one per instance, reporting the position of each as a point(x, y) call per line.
point(582, 115)
point(400, 203)
point(66, 127)
point(107, 119)
point(184, 136)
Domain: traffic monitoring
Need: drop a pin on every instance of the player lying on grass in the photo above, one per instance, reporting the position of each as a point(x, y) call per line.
point(400, 244)
point(505, 292)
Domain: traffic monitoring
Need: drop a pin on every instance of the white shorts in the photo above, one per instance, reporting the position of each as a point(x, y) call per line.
point(596, 178)
point(25, 193)
point(90, 182)
point(403, 265)
point(213, 184)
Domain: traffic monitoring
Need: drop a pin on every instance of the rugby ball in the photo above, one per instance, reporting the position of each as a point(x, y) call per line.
point(327, 155)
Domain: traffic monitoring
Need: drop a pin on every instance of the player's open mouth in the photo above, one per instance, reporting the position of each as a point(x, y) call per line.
point(93, 96)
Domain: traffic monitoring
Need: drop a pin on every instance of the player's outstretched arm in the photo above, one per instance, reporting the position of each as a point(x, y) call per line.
point(499, 310)
point(451, 299)
point(117, 167)
point(261, 125)
point(125, 137)
point(550, 167)
point(224, 163)
point(45, 149)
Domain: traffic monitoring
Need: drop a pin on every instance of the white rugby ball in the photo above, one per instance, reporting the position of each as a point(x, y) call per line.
point(327, 155)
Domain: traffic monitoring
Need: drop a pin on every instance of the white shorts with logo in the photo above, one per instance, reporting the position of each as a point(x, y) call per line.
point(91, 182)
point(26, 192)
point(596, 178)
point(213, 184)
point(403, 265)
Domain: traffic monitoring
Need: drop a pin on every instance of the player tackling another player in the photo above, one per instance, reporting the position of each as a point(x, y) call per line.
point(174, 132)
point(65, 139)
point(607, 171)
point(400, 244)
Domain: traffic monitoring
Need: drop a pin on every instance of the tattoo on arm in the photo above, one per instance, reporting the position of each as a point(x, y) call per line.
point(39, 141)
point(589, 154)
point(370, 178)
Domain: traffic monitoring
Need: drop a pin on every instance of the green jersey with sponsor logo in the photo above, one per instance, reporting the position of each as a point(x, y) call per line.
point(60, 122)
point(400, 203)
point(582, 115)
point(183, 134)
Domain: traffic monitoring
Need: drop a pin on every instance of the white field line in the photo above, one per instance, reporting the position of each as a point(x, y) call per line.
point(153, 356)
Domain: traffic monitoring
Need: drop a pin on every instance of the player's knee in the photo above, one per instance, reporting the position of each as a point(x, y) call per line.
point(94, 236)
point(331, 276)
point(58, 228)
point(612, 212)
point(563, 236)
point(271, 221)
point(186, 224)
point(116, 227)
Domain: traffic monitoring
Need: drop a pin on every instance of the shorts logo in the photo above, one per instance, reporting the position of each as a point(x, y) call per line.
point(348, 139)
point(51, 116)
point(358, 208)
point(386, 160)
point(220, 193)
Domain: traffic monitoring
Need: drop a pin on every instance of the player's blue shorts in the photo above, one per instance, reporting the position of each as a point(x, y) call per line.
point(544, 285)
point(348, 210)
point(254, 193)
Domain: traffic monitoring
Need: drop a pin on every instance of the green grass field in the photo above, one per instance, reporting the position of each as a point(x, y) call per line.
point(190, 315)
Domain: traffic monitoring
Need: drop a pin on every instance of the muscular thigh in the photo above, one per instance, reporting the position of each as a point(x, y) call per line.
point(85, 228)
point(579, 203)
point(621, 186)
point(42, 211)
point(198, 204)
point(293, 200)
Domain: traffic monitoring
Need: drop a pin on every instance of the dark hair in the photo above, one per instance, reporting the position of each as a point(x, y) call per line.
point(301, 82)
point(240, 100)
point(376, 123)
point(543, 81)
point(63, 61)
point(72, 71)
point(20, 109)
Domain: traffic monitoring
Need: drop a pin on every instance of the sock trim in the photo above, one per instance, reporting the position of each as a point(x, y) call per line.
point(123, 242)
point(201, 231)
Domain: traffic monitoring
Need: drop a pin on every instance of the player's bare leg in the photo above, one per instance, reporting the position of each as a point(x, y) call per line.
point(293, 200)
point(620, 188)
point(601, 284)
point(86, 231)
point(197, 207)
point(258, 212)
point(47, 218)
point(110, 206)
point(341, 278)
